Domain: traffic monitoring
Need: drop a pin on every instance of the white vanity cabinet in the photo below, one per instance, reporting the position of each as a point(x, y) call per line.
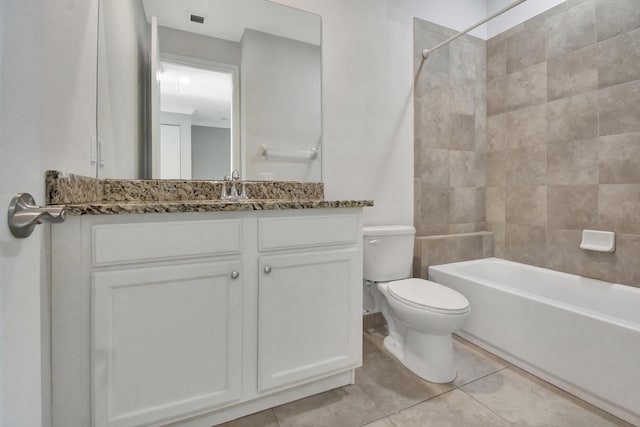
point(166, 341)
point(311, 261)
point(194, 319)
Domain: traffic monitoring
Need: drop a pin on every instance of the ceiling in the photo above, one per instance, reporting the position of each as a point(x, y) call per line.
point(202, 94)
point(227, 19)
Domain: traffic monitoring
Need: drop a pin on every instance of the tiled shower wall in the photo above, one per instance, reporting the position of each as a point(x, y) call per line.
point(563, 138)
point(450, 133)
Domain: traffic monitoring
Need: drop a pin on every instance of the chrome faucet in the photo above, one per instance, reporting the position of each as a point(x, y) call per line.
point(233, 180)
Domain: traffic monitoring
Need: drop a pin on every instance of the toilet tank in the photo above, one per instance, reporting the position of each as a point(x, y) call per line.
point(388, 252)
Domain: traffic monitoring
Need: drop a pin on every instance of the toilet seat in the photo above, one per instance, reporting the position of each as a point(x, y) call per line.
point(427, 295)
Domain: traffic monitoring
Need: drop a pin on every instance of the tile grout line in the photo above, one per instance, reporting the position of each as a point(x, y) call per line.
point(487, 408)
point(482, 377)
point(423, 401)
point(384, 415)
point(275, 416)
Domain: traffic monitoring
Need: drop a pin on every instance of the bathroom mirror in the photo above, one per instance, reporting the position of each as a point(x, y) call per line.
point(193, 89)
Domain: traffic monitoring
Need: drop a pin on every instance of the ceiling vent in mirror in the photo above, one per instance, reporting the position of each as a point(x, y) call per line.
point(197, 19)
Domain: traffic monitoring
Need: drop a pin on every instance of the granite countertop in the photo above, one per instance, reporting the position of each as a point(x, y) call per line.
point(142, 207)
point(82, 195)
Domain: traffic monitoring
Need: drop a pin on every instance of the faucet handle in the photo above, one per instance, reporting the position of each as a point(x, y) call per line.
point(244, 195)
point(235, 175)
point(224, 195)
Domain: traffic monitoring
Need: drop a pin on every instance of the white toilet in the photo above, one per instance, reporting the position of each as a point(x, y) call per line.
point(421, 315)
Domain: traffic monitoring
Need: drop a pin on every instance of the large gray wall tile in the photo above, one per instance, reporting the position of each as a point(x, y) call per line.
point(572, 74)
point(435, 205)
point(462, 130)
point(527, 166)
point(573, 163)
point(572, 207)
point(525, 49)
point(481, 169)
point(481, 207)
point(564, 251)
point(450, 125)
point(616, 17)
point(526, 205)
point(620, 108)
point(496, 132)
point(527, 126)
point(619, 59)
point(499, 242)
point(526, 87)
point(573, 118)
point(465, 62)
point(481, 125)
point(496, 59)
point(620, 159)
point(434, 125)
point(496, 96)
point(626, 260)
point(526, 244)
point(496, 168)
point(465, 227)
point(542, 18)
point(461, 96)
point(619, 208)
point(462, 168)
point(571, 30)
point(496, 207)
point(462, 205)
point(434, 167)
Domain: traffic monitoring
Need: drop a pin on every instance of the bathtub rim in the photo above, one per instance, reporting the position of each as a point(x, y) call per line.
point(623, 323)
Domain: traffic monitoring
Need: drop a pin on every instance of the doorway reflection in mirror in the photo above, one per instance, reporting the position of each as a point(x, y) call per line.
point(196, 113)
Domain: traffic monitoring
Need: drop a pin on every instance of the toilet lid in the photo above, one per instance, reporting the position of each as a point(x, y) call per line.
point(429, 295)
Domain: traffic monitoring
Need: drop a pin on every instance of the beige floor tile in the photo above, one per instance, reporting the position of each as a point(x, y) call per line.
point(385, 422)
point(376, 337)
point(453, 409)
point(473, 363)
point(260, 419)
point(524, 400)
point(390, 385)
point(347, 406)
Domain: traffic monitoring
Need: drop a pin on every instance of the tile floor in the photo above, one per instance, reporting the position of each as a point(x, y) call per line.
point(487, 392)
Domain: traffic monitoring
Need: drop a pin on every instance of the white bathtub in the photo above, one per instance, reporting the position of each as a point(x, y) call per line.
point(580, 334)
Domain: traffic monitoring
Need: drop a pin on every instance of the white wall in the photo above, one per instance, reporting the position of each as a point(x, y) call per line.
point(517, 15)
point(281, 105)
point(21, 53)
point(68, 78)
point(193, 45)
point(123, 84)
point(367, 64)
point(184, 121)
point(210, 152)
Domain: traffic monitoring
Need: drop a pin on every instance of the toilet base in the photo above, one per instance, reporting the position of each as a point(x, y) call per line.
point(428, 356)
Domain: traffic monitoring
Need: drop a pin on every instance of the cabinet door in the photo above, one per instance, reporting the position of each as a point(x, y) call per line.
point(310, 316)
point(166, 341)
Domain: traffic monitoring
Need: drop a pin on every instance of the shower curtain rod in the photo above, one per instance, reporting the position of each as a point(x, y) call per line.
point(426, 52)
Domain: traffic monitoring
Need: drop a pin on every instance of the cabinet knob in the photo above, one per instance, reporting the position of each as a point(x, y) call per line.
point(267, 269)
point(235, 274)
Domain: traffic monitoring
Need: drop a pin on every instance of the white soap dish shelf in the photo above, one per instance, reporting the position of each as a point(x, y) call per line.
point(599, 241)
